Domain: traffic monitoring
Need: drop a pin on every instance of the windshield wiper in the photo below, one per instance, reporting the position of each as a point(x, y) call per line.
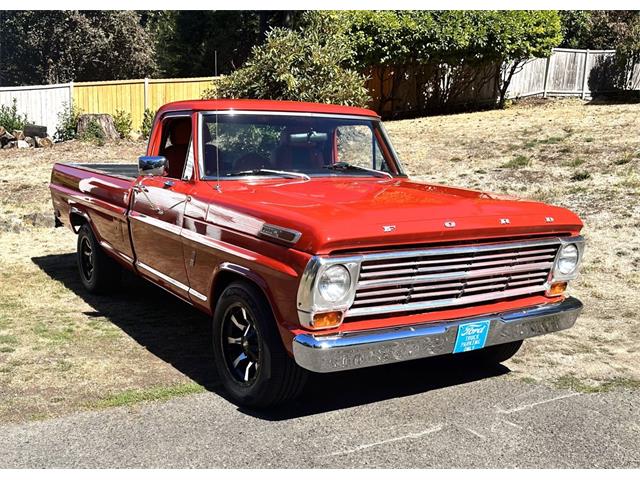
point(344, 166)
point(258, 171)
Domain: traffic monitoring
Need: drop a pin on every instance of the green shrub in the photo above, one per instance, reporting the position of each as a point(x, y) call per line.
point(10, 119)
point(147, 123)
point(122, 123)
point(309, 66)
point(67, 128)
point(93, 133)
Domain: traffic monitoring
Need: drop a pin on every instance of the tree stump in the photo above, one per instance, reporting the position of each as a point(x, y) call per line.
point(45, 142)
point(89, 122)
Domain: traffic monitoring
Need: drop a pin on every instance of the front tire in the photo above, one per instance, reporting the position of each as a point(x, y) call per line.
point(251, 360)
point(98, 272)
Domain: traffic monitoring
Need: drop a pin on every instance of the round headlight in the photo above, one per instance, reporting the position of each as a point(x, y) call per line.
point(334, 283)
point(568, 259)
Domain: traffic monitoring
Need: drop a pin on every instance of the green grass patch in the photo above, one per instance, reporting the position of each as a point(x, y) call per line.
point(519, 161)
point(54, 335)
point(573, 383)
point(455, 159)
point(6, 349)
point(530, 144)
point(130, 397)
point(588, 139)
point(580, 176)
point(8, 340)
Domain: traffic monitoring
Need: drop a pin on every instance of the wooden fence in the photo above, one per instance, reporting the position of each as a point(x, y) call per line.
point(41, 103)
point(44, 103)
point(565, 72)
point(134, 96)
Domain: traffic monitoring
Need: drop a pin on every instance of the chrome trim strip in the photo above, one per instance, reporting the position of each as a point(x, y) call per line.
point(161, 275)
point(169, 227)
point(212, 243)
point(109, 247)
point(172, 281)
point(460, 250)
point(359, 349)
point(289, 114)
point(198, 295)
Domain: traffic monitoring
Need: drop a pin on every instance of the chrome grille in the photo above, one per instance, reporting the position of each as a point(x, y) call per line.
point(443, 277)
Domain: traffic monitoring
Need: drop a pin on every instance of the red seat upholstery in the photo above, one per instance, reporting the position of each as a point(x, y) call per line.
point(176, 153)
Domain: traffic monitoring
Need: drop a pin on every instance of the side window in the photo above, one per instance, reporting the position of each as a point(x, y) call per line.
point(176, 139)
point(356, 144)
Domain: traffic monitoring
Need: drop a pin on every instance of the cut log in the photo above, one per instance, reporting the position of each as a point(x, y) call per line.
point(88, 123)
point(31, 141)
point(5, 138)
point(22, 144)
point(18, 134)
point(45, 142)
point(11, 144)
point(35, 131)
point(2, 131)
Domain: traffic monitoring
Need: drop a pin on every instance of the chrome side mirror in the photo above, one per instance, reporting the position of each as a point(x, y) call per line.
point(153, 166)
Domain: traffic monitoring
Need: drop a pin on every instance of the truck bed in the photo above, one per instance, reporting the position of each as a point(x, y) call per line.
point(128, 170)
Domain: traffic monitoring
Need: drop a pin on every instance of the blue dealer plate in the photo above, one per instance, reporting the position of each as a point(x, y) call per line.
point(471, 336)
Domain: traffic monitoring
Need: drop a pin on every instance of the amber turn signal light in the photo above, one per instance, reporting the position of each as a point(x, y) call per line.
point(327, 319)
point(557, 289)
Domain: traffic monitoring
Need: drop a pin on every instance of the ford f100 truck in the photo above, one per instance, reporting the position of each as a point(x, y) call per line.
point(294, 226)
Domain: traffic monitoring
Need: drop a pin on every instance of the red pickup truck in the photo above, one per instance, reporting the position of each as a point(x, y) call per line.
point(295, 227)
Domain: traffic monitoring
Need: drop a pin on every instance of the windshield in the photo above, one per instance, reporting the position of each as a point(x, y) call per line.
point(263, 144)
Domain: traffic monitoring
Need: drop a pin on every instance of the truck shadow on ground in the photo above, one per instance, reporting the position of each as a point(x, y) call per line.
point(179, 335)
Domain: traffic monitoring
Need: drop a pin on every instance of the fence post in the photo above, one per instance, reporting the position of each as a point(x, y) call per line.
point(146, 94)
point(584, 74)
point(71, 94)
point(546, 75)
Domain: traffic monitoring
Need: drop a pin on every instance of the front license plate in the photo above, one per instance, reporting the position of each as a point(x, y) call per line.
point(471, 336)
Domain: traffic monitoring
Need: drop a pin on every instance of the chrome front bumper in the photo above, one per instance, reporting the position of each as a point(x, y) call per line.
point(359, 349)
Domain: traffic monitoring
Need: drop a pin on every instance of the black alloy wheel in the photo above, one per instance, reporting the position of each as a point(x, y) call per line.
point(240, 345)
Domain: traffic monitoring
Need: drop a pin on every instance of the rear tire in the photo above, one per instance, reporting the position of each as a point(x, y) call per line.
point(494, 354)
point(99, 273)
point(252, 363)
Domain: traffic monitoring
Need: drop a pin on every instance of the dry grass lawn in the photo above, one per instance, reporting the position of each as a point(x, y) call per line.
point(62, 350)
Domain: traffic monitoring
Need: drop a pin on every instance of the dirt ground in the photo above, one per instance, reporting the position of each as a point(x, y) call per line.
point(62, 349)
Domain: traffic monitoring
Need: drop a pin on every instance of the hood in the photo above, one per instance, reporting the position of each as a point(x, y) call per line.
point(352, 213)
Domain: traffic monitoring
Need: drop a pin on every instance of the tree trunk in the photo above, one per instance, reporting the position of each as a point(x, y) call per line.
point(90, 122)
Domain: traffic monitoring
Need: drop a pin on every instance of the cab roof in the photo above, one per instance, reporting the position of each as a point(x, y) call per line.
point(265, 106)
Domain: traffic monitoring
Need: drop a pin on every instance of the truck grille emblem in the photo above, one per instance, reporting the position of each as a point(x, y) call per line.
point(505, 221)
point(449, 224)
point(549, 219)
point(388, 228)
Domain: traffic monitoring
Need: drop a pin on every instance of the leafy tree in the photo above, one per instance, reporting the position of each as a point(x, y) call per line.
point(60, 46)
point(187, 41)
point(575, 28)
point(304, 65)
point(449, 48)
